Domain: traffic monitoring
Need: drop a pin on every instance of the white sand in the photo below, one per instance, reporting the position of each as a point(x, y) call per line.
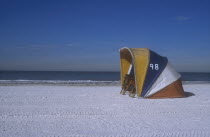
point(38, 110)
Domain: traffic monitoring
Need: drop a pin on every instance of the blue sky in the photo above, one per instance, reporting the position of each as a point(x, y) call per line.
point(77, 35)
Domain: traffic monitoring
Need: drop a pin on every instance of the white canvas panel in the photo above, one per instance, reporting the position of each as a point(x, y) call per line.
point(168, 76)
point(129, 70)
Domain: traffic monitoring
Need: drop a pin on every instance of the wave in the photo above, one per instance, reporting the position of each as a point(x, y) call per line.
point(72, 82)
point(80, 82)
point(195, 82)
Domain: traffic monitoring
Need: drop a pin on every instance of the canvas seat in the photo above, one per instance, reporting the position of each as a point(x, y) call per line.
point(129, 85)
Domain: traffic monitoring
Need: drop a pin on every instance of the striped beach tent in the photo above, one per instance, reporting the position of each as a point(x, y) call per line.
point(154, 76)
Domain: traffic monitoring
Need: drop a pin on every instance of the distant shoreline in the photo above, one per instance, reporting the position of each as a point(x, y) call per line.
point(60, 82)
point(76, 82)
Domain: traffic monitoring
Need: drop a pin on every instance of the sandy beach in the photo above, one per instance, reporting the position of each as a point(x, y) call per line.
point(55, 110)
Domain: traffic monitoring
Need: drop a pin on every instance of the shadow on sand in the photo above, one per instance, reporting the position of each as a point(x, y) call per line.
point(188, 94)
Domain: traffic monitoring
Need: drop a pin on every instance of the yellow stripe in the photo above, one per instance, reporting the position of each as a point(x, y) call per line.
point(140, 58)
point(141, 62)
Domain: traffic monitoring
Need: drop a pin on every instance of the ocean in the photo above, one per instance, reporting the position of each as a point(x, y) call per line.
point(69, 76)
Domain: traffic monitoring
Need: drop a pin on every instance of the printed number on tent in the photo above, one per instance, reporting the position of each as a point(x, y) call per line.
point(154, 66)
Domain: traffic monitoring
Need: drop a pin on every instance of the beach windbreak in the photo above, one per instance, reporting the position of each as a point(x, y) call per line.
point(154, 75)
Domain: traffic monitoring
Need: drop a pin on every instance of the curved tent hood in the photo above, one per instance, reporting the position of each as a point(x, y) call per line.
point(153, 73)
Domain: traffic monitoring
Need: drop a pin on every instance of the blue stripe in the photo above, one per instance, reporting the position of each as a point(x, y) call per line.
point(157, 64)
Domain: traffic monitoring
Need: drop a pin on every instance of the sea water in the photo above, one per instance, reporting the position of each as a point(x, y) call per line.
point(69, 76)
